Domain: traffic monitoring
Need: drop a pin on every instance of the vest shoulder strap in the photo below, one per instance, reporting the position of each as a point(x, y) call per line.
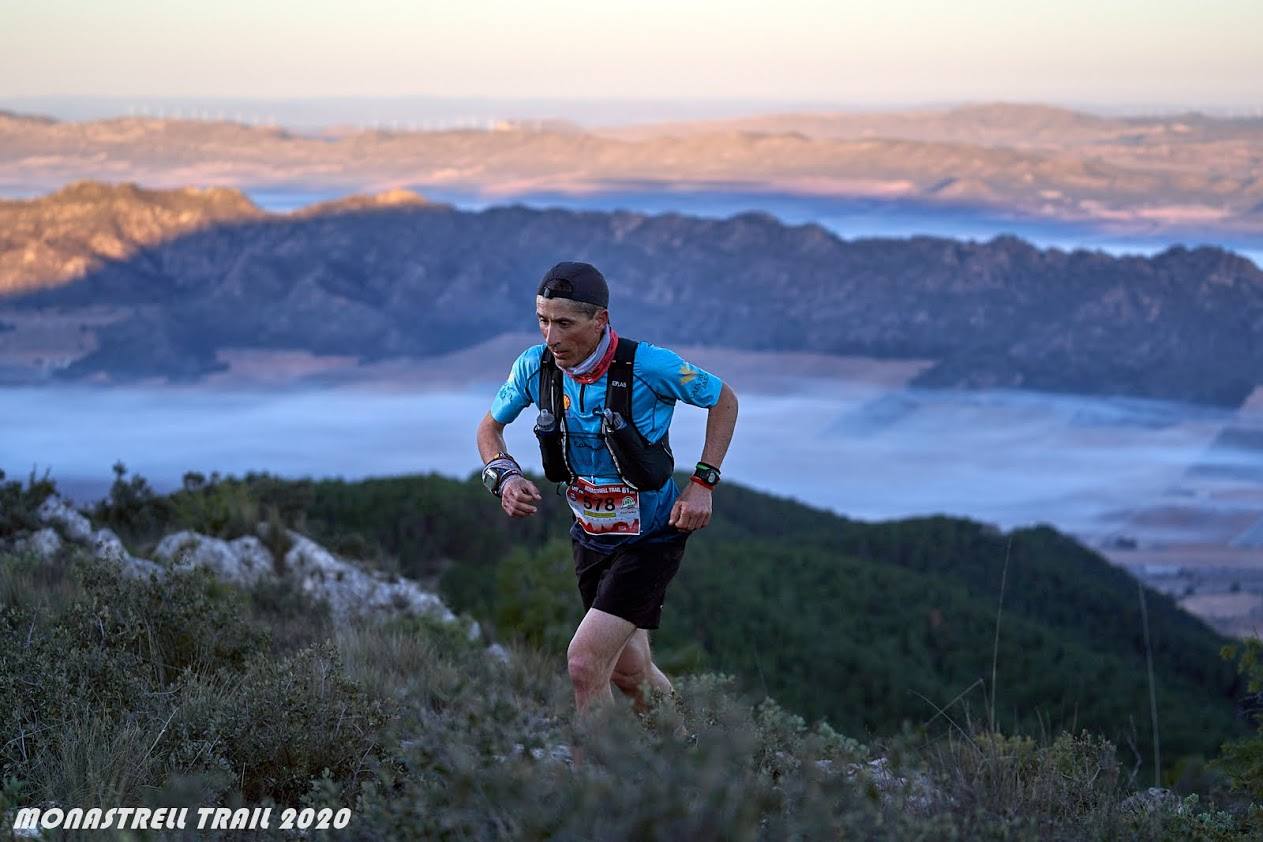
point(550, 385)
point(618, 379)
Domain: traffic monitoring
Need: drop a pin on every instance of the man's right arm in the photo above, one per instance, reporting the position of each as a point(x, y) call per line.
point(490, 438)
point(516, 492)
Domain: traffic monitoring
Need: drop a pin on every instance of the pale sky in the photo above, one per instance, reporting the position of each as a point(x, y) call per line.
point(1207, 52)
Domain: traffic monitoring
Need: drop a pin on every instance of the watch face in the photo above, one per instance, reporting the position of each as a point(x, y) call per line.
point(489, 479)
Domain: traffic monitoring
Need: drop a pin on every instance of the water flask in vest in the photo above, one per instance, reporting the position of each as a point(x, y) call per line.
point(552, 447)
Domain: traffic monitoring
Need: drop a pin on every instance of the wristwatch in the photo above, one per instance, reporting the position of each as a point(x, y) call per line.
point(501, 467)
point(706, 475)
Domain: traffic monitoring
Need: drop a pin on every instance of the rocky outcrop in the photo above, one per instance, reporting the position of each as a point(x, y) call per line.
point(58, 513)
point(242, 561)
point(107, 546)
point(60, 237)
point(351, 590)
point(70, 528)
point(348, 589)
point(43, 543)
point(64, 521)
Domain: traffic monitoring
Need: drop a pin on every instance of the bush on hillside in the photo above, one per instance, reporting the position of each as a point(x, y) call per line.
point(223, 508)
point(18, 503)
point(279, 724)
point(536, 600)
point(133, 510)
point(1242, 759)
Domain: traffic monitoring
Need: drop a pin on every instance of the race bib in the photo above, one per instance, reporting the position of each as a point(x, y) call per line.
point(604, 509)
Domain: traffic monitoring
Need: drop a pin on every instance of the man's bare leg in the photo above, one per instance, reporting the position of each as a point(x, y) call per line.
point(592, 654)
point(636, 674)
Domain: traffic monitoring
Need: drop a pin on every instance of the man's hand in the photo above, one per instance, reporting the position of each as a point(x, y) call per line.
point(692, 508)
point(516, 494)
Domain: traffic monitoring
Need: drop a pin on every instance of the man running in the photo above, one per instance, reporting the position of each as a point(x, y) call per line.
point(605, 406)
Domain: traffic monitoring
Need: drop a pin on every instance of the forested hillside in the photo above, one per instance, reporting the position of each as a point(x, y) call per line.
point(869, 625)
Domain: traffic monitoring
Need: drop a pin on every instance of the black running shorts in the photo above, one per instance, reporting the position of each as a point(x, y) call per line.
point(629, 581)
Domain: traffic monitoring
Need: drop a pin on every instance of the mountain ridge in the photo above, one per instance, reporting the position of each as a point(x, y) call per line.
point(416, 280)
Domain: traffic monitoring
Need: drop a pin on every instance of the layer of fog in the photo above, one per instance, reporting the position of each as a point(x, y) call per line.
point(1081, 464)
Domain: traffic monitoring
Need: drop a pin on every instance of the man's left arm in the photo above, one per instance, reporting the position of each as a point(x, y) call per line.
point(692, 508)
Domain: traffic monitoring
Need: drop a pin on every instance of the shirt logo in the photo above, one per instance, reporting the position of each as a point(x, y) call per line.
point(618, 383)
point(565, 402)
point(687, 373)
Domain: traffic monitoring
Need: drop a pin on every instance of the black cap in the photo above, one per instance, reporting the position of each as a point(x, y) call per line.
point(576, 281)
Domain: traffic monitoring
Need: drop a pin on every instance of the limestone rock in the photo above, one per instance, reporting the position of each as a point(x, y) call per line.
point(107, 547)
point(56, 512)
point(44, 544)
point(350, 590)
point(243, 560)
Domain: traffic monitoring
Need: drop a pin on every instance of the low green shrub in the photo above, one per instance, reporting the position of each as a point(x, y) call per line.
point(126, 687)
point(278, 725)
point(221, 507)
point(19, 503)
point(134, 511)
point(1242, 760)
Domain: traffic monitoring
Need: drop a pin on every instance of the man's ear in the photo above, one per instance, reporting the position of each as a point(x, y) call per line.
point(603, 317)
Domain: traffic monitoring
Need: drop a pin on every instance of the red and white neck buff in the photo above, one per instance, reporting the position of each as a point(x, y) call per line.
point(593, 368)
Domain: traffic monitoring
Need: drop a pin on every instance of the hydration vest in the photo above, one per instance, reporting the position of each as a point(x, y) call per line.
point(640, 464)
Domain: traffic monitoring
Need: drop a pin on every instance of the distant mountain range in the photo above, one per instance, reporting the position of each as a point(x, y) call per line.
point(117, 283)
point(1152, 175)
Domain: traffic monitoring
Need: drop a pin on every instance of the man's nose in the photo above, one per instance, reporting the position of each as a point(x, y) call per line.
point(550, 332)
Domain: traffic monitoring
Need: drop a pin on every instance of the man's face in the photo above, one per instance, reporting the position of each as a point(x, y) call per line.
point(568, 332)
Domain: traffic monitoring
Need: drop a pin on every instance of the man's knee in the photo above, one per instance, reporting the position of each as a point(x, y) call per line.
point(586, 671)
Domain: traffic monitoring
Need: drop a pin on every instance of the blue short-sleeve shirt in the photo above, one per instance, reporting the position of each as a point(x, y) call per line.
point(661, 378)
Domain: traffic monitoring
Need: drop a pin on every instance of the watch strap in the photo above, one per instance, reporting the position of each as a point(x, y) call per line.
point(705, 475)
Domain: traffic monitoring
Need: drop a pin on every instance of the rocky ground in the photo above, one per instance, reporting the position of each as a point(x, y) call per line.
point(347, 588)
